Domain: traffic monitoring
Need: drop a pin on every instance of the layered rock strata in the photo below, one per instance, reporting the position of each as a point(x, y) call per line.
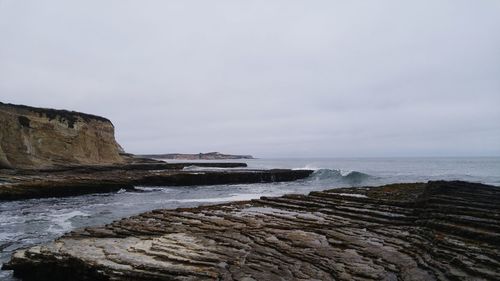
point(33, 137)
point(69, 182)
point(433, 231)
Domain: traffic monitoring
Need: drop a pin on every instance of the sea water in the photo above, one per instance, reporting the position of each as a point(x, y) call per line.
point(25, 223)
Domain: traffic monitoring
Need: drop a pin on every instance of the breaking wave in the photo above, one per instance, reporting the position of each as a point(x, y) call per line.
point(339, 176)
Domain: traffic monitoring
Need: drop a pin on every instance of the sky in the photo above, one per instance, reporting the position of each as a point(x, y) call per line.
point(279, 78)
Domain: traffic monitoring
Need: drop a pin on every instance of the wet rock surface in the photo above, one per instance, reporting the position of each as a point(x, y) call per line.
point(424, 231)
point(71, 181)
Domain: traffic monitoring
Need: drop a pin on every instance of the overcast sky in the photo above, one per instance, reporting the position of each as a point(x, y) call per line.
point(269, 78)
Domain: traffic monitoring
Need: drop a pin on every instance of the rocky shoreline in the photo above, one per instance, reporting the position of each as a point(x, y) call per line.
point(423, 231)
point(52, 153)
point(78, 180)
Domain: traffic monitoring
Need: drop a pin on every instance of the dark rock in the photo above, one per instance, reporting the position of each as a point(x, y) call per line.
point(433, 231)
point(24, 121)
point(70, 181)
point(143, 165)
point(53, 114)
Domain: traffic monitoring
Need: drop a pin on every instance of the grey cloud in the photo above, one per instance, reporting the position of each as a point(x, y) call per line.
point(270, 78)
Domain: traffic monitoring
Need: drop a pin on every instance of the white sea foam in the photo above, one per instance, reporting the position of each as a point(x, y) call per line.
point(198, 168)
point(7, 236)
point(352, 195)
point(62, 222)
point(11, 219)
point(232, 197)
point(308, 167)
point(152, 188)
point(345, 173)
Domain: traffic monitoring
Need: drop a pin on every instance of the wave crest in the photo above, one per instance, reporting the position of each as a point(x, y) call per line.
point(351, 177)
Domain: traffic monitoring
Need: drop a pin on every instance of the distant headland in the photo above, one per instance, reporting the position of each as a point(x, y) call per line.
point(198, 156)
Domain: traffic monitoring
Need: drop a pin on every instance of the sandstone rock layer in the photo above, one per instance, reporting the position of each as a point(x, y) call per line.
point(41, 138)
point(433, 231)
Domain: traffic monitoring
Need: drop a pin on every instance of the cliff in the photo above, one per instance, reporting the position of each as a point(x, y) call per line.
point(33, 138)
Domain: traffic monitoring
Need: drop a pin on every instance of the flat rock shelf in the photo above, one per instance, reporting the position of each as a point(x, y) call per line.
point(23, 184)
point(423, 231)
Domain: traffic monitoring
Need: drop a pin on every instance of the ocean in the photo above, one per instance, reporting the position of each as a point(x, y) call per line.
point(28, 222)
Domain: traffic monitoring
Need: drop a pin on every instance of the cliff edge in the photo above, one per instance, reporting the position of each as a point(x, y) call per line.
point(33, 138)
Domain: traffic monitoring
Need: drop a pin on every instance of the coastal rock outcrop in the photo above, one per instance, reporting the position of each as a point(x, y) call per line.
point(33, 137)
point(423, 231)
point(100, 179)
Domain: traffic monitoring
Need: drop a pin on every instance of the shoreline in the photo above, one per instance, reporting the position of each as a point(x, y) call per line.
point(394, 231)
point(79, 180)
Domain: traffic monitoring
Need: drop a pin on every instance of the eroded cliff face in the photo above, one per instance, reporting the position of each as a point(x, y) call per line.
point(42, 138)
